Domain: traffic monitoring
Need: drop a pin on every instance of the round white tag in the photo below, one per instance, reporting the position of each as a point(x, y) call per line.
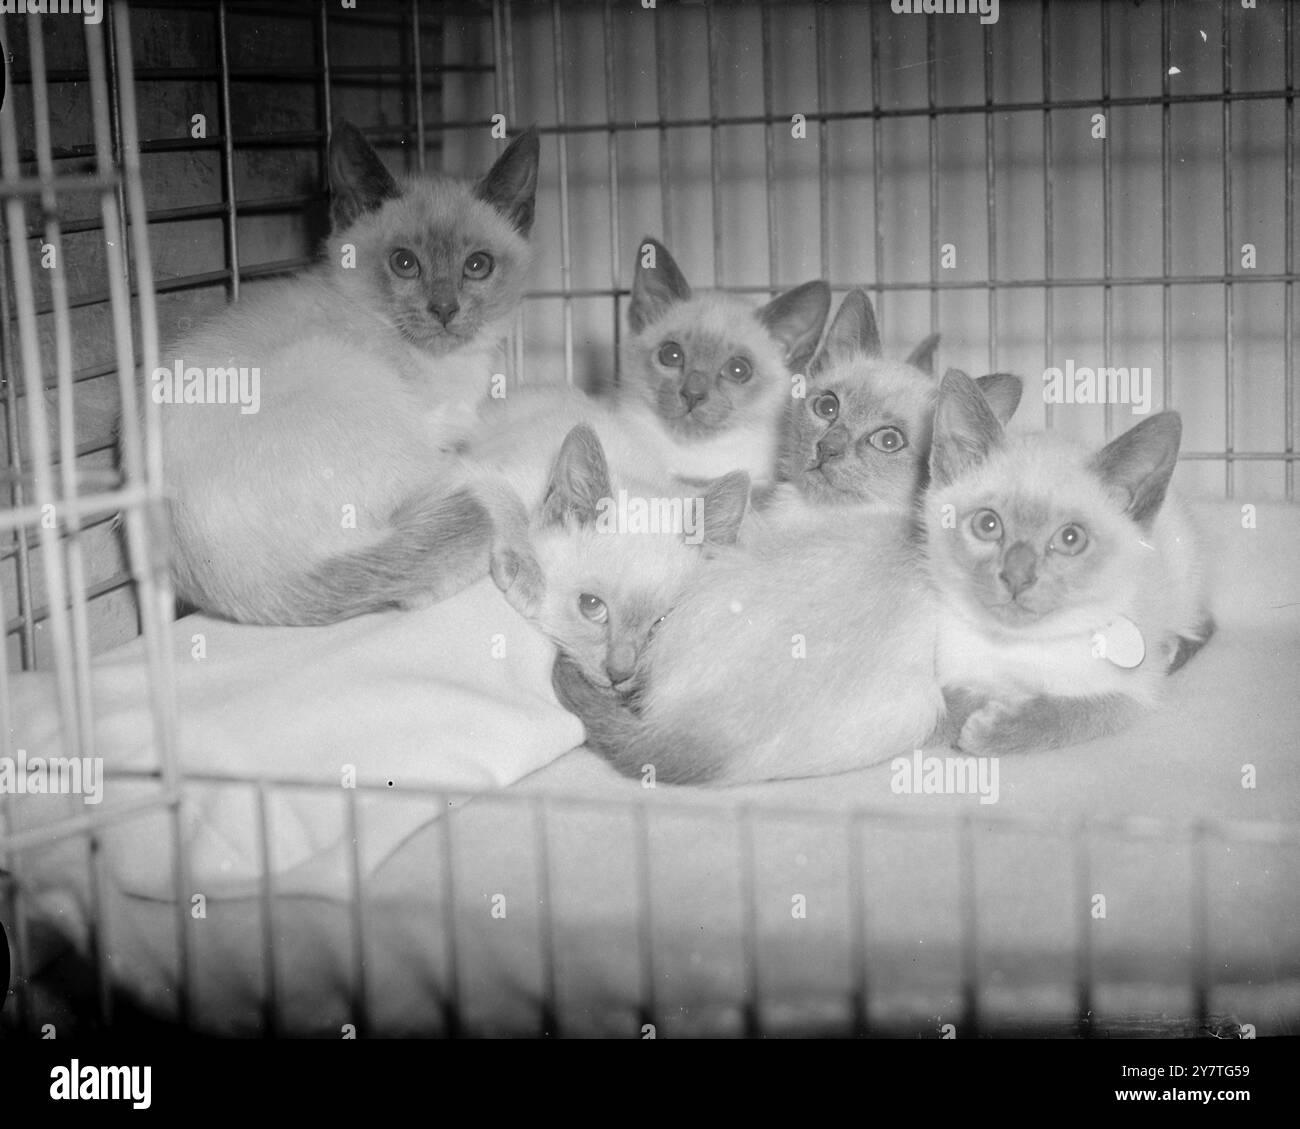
point(1123, 642)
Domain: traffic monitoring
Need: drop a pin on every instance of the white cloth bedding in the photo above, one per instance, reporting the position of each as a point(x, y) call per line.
point(506, 896)
point(455, 696)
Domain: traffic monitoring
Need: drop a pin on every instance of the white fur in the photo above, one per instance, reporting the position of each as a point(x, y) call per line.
point(351, 415)
point(750, 446)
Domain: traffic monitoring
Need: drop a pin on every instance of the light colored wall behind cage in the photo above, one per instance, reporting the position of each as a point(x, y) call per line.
point(676, 122)
point(869, 199)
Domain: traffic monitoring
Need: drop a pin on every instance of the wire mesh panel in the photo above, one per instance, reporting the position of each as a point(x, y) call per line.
point(1076, 186)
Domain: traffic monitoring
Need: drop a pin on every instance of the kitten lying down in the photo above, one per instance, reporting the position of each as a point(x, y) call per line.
point(744, 639)
point(1043, 600)
point(1069, 583)
point(596, 579)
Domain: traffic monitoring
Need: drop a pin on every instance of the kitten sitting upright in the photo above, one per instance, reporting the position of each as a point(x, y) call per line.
point(330, 501)
point(1069, 583)
point(706, 377)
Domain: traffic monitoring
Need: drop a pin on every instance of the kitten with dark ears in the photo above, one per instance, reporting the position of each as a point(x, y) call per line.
point(1069, 583)
point(706, 377)
point(599, 590)
point(861, 433)
point(331, 501)
point(811, 650)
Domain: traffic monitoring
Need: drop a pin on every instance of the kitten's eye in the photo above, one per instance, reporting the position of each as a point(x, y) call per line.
point(1070, 539)
point(738, 369)
point(826, 406)
point(986, 525)
point(404, 263)
point(672, 355)
point(655, 627)
point(887, 439)
point(479, 265)
point(593, 607)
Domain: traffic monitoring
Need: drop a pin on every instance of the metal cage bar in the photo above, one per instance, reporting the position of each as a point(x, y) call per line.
point(1107, 240)
point(931, 92)
point(1288, 290)
point(769, 141)
point(227, 154)
point(117, 183)
point(566, 258)
point(715, 142)
point(1049, 325)
point(1083, 939)
point(615, 229)
point(990, 190)
point(1166, 213)
point(823, 145)
point(417, 85)
point(1229, 388)
point(877, 160)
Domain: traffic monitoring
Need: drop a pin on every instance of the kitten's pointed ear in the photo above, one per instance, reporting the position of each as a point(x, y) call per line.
point(657, 284)
point(1002, 391)
point(796, 319)
point(725, 504)
point(579, 479)
point(359, 180)
point(853, 331)
point(1140, 463)
point(511, 184)
point(922, 356)
point(965, 428)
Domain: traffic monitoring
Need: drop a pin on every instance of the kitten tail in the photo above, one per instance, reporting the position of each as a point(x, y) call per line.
point(622, 736)
point(436, 547)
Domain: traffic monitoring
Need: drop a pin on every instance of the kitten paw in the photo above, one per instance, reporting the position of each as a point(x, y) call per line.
point(988, 729)
point(519, 576)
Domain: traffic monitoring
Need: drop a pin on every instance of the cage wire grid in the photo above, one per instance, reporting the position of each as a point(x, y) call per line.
point(44, 478)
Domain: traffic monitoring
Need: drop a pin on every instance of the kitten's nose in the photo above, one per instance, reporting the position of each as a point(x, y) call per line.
point(695, 390)
point(620, 663)
point(1019, 568)
point(444, 311)
point(617, 675)
point(829, 447)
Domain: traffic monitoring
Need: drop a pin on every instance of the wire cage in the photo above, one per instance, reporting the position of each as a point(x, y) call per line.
point(1085, 180)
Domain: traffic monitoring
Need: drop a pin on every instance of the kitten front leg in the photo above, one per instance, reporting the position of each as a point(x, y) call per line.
point(1044, 722)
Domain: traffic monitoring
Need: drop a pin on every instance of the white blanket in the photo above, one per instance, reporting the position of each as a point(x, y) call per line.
point(456, 696)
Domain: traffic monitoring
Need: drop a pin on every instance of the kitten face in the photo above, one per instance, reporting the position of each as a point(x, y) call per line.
point(706, 364)
point(1033, 541)
point(443, 261)
point(1031, 533)
point(607, 589)
point(607, 592)
point(862, 433)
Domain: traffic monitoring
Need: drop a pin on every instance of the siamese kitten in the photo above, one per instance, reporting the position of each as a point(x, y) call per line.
point(707, 377)
point(1069, 582)
point(705, 433)
point(329, 500)
point(861, 433)
point(598, 587)
point(810, 652)
point(803, 656)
